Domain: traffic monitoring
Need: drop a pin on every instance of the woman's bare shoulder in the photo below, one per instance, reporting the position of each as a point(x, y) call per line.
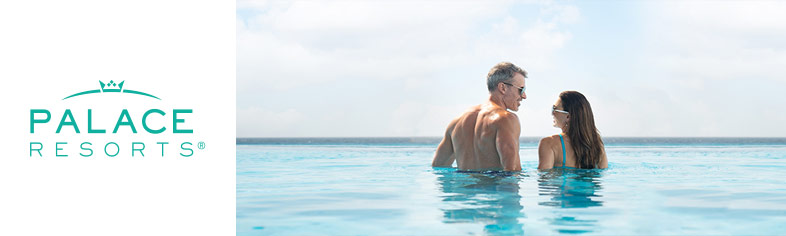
point(549, 140)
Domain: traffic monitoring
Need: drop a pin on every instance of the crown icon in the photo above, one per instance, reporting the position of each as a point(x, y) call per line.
point(111, 86)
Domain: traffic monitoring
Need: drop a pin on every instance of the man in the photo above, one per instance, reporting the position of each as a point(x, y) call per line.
point(487, 136)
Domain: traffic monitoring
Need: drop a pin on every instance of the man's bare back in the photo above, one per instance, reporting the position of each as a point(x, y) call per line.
point(487, 136)
point(474, 139)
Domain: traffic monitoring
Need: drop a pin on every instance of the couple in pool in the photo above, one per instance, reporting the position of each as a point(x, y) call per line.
point(486, 137)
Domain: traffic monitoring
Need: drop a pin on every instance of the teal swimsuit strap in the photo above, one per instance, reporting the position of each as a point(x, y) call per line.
point(563, 149)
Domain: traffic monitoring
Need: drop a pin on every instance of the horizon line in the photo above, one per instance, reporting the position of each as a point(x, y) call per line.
point(519, 137)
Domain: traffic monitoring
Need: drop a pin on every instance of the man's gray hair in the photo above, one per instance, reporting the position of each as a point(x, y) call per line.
point(502, 72)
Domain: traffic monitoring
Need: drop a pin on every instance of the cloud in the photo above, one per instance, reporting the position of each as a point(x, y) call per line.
point(397, 59)
point(706, 69)
point(720, 40)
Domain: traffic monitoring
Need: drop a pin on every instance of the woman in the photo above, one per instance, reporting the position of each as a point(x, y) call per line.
point(579, 145)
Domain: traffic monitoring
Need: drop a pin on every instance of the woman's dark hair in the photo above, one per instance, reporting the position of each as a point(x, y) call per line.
point(581, 130)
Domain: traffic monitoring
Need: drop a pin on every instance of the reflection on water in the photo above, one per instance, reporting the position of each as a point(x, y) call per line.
point(489, 198)
point(494, 200)
point(570, 188)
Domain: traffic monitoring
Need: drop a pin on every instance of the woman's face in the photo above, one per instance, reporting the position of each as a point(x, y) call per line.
point(559, 115)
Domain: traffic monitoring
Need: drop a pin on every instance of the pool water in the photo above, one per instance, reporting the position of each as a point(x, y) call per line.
point(391, 189)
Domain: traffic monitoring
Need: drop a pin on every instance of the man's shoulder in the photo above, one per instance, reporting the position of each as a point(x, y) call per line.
point(469, 113)
point(503, 116)
point(468, 116)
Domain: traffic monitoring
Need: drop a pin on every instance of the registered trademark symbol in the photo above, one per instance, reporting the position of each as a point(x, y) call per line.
point(201, 145)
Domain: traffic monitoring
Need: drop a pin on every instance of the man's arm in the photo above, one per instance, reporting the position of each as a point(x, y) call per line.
point(507, 140)
point(444, 156)
point(545, 154)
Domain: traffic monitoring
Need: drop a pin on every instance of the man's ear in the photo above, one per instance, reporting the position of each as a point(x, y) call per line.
point(501, 87)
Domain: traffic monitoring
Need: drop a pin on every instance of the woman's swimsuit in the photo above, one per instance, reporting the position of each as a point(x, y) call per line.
point(563, 153)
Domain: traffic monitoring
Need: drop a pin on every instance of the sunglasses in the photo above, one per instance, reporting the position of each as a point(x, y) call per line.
point(521, 89)
point(554, 109)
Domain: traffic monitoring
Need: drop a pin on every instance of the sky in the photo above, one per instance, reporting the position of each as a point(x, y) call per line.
point(407, 68)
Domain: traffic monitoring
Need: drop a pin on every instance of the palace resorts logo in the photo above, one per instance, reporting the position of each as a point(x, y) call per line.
point(126, 125)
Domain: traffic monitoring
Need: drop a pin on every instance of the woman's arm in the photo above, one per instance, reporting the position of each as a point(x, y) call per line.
point(604, 163)
point(545, 154)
